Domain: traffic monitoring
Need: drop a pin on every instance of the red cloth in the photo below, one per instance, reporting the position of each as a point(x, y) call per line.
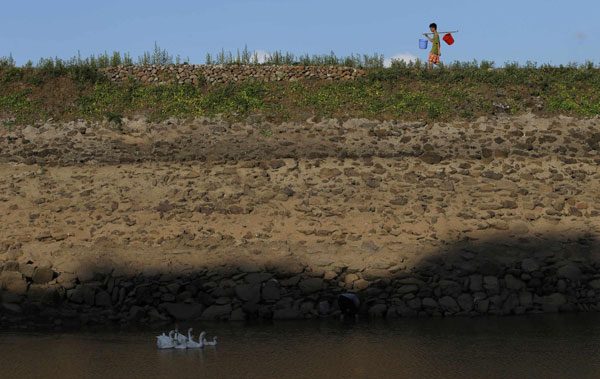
point(434, 59)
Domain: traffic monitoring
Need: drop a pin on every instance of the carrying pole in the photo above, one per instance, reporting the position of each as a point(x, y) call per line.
point(455, 31)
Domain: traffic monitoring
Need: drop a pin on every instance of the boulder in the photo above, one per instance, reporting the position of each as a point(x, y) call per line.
point(595, 284)
point(350, 278)
point(88, 293)
point(216, 312)
point(67, 280)
point(42, 293)
point(482, 306)
point(373, 274)
point(248, 292)
point(430, 304)
point(249, 268)
point(237, 314)
point(391, 313)
point(257, 277)
point(307, 307)
point(27, 269)
point(488, 268)
point(271, 291)
point(476, 283)
point(369, 247)
point(361, 284)
point(103, 299)
point(173, 288)
point(526, 299)
point(377, 310)
point(511, 303)
point(491, 285)
point(75, 295)
point(181, 311)
point(407, 288)
point(415, 304)
point(513, 283)
point(431, 158)
point(13, 281)
point(42, 275)
point(570, 271)
point(311, 285)
point(465, 301)
point(556, 299)
point(450, 288)
point(529, 265)
point(328, 173)
point(11, 266)
point(404, 310)
point(448, 304)
point(155, 315)
point(136, 313)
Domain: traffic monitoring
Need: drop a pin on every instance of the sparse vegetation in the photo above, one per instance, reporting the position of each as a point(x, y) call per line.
point(461, 90)
point(6, 62)
point(245, 57)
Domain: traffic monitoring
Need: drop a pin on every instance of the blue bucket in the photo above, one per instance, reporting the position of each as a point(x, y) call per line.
point(423, 44)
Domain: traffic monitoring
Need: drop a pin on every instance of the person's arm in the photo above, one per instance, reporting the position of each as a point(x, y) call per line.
point(430, 40)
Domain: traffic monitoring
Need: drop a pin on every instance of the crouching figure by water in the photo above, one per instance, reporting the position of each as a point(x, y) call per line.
point(349, 305)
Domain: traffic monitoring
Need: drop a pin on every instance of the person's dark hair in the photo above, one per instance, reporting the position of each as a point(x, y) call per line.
point(433, 25)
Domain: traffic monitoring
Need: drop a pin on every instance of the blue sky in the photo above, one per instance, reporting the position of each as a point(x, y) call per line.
point(550, 31)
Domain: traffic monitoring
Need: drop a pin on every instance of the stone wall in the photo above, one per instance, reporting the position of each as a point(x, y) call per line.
point(213, 74)
point(473, 287)
point(209, 219)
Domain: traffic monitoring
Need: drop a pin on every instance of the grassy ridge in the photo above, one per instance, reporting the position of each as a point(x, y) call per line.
point(407, 91)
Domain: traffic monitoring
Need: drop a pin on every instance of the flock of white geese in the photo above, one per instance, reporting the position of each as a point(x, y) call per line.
point(176, 340)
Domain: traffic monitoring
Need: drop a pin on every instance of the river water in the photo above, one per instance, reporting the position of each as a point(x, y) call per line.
point(544, 346)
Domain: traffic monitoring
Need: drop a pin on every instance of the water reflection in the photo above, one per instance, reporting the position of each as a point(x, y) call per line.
point(528, 346)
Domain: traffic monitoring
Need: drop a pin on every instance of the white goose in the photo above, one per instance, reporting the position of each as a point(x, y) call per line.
point(176, 340)
point(210, 343)
point(165, 342)
point(191, 344)
point(180, 338)
point(181, 346)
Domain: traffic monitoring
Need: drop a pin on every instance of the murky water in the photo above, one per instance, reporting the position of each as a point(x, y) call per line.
point(544, 346)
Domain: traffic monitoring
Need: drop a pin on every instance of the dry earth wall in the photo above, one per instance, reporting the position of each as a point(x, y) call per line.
point(208, 219)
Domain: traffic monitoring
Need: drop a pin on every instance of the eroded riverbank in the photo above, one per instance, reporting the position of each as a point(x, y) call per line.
point(213, 220)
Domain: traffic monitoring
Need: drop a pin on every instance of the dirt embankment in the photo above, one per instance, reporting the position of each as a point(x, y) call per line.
point(494, 216)
point(567, 139)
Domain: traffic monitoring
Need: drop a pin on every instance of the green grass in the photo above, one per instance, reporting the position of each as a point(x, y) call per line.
point(406, 91)
point(245, 57)
point(160, 56)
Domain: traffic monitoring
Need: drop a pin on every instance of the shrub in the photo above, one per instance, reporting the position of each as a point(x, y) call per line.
point(7, 62)
point(115, 117)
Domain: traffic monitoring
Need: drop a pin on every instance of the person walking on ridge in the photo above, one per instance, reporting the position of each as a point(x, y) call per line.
point(436, 52)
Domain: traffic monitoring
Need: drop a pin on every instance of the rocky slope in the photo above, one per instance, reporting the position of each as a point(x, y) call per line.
point(208, 219)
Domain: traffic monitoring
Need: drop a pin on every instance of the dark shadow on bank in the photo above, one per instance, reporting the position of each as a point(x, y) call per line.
point(500, 276)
